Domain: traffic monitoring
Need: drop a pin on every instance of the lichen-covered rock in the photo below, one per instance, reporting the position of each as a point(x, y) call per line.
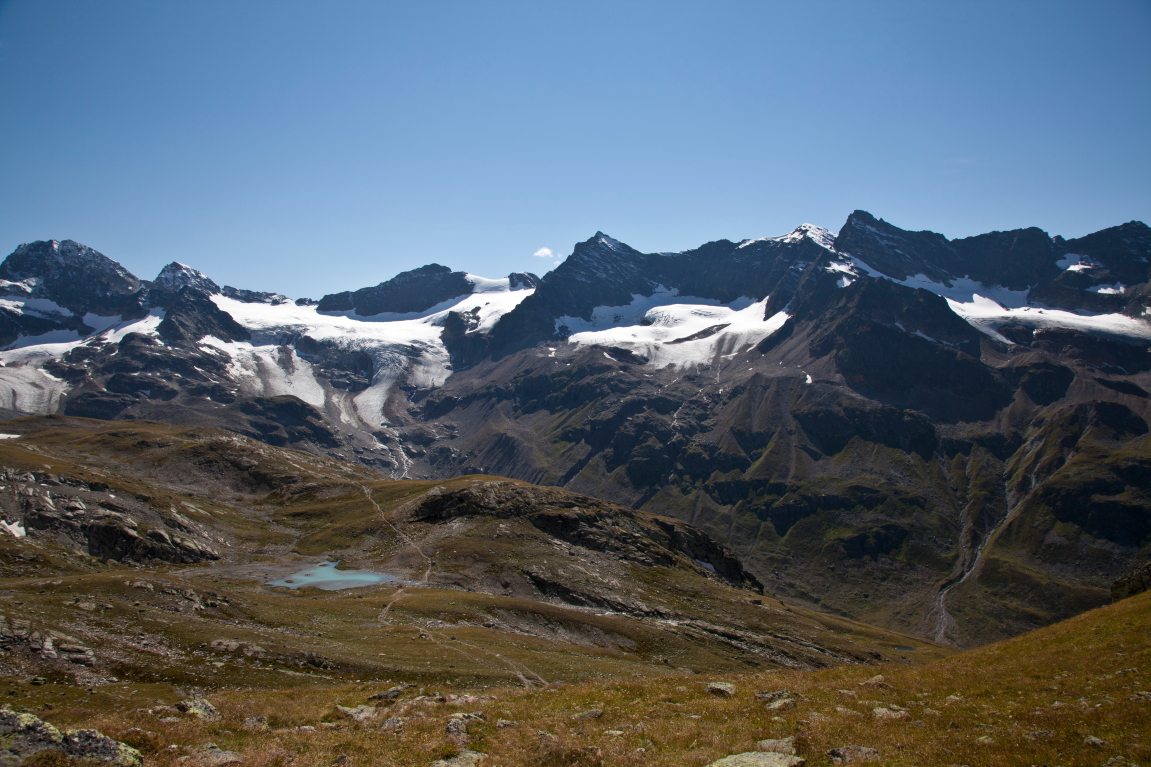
point(721, 689)
point(463, 759)
point(876, 681)
point(392, 724)
point(359, 714)
point(211, 755)
point(200, 708)
point(583, 716)
point(22, 735)
point(92, 744)
point(457, 730)
point(890, 714)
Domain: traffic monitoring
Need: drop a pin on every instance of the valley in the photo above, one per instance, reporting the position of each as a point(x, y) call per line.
point(946, 438)
point(144, 597)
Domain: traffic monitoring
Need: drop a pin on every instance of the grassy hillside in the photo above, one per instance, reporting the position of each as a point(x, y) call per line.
point(1071, 694)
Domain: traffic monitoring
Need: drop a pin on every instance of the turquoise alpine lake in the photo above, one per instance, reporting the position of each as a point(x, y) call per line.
point(325, 576)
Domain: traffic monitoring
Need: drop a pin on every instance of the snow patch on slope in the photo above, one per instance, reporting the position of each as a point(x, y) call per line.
point(36, 306)
point(988, 307)
point(485, 285)
point(271, 371)
point(680, 333)
point(634, 313)
point(27, 387)
point(15, 529)
point(988, 316)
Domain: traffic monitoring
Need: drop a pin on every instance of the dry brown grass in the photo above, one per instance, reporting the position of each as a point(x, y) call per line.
point(989, 706)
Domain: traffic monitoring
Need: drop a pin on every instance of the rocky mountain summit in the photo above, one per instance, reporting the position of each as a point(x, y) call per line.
point(947, 437)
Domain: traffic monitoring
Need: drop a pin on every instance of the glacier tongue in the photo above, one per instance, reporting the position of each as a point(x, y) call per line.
point(405, 350)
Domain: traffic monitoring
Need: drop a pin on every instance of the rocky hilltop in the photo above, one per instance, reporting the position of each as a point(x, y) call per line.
point(948, 437)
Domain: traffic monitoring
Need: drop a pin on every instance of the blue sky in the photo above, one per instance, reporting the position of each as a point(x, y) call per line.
point(307, 148)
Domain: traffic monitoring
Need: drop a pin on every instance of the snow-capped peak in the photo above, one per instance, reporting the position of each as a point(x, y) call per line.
point(176, 275)
point(611, 242)
point(817, 234)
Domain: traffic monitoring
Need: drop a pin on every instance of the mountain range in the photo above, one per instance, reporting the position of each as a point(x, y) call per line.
point(947, 438)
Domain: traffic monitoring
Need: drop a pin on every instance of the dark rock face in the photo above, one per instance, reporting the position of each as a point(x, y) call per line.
point(98, 405)
point(286, 420)
point(256, 297)
point(897, 253)
point(1125, 250)
point(1022, 260)
point(13, 325)
point(191, 315)
point(523, 280)
point(904, 347)
point(830, 429)
point(176, 276)
point(74, 276)
point(1017, 260)
point(77, 279)
point(412, 291)
point(1043, 381)
point(1135, 582)
point(1106, 354)
point(603, 272)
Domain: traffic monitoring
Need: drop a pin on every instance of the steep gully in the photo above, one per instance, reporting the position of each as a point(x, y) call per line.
point(937, 622)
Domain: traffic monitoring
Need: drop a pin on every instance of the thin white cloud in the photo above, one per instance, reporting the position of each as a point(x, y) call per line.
point(544, 253)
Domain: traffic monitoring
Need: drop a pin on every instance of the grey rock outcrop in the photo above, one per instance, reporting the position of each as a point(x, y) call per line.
point(200, 708)
point(853, 754)
point(91, 518)
point(759, 759)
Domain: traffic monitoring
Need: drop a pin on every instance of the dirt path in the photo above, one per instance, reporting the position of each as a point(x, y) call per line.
point(406, 538)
